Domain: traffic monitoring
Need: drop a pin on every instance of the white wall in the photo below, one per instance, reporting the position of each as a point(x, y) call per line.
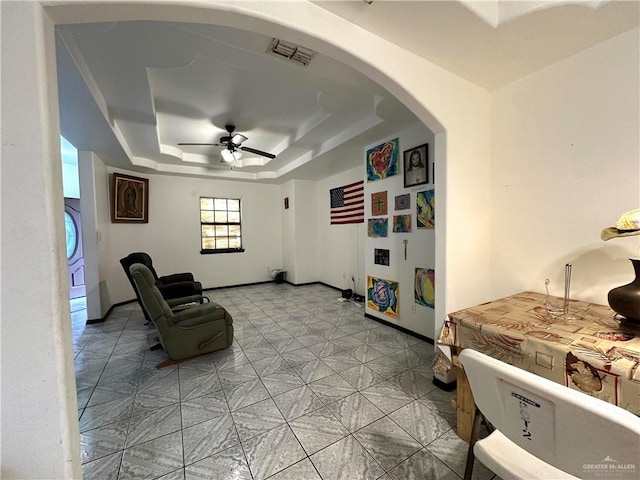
point(306, 238)
point(95, 231)
point(70, 180)
point(172, 236)
point(340, 247)
point(299, 237)
point(566, 164)
point(288, 233)
point(421, 250)
point(103, 232)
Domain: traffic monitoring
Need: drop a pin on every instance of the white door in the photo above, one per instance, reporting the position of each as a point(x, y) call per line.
point(75, 259)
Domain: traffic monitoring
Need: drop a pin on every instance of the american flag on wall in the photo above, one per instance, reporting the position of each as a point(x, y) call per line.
point(347, 204)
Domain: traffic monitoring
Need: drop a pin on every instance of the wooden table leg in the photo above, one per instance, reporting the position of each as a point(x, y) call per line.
point(465, 407)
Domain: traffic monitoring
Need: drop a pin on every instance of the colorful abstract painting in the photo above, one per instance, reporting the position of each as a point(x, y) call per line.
point(425, 209)
point(382, 161)
point(382, 296)
point(424, 287)
point(403, 202)
point(401, 223)
point(379, 203)
point(378, 227)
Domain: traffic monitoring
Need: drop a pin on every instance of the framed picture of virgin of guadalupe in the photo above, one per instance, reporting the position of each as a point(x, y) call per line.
point(129, 199)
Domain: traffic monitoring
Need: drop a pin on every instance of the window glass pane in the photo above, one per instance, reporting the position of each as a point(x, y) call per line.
point(208, 243)
point(220, 223)
point(206, 217)
point(206, 203)
point(208, 230)
point(72, 234)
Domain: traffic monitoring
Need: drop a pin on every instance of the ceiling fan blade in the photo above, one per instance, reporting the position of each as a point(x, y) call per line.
point(202, 144)
point(257, 152)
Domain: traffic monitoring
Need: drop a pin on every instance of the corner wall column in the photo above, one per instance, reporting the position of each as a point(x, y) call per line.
point(40, 437)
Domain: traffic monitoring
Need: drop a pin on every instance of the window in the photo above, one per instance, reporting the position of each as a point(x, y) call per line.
point(220, 225)
point(71, 229)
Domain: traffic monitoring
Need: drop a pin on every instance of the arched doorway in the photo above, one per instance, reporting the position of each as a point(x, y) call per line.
point(458, 105)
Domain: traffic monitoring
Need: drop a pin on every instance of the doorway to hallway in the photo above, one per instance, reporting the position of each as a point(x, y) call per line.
point(73, 229)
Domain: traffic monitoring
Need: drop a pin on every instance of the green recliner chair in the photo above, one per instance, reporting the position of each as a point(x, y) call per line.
point(177, 289)
point(194, 331)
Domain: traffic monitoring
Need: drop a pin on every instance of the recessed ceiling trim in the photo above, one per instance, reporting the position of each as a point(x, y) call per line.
point(304, 129)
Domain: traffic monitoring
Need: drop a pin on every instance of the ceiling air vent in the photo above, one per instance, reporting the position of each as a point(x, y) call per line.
point(293, 52)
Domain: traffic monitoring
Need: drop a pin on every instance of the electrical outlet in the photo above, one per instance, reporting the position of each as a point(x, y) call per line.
point(413, 308)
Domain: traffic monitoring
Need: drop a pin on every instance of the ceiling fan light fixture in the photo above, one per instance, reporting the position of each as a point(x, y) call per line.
point(230, 156)
point(238, 138)
point(232, 146)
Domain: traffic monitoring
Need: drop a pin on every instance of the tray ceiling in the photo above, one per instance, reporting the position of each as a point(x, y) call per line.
point(132, 91)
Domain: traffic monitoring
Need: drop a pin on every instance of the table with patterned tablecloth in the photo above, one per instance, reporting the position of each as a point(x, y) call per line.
point(594, 353)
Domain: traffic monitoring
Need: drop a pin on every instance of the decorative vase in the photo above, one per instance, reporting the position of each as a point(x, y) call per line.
point(625, 300)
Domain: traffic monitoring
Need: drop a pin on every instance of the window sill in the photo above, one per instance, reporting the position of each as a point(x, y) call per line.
point(222, 250)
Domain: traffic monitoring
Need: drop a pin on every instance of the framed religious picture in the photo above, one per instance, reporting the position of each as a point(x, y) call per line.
point(129, 199)
point(416, 163)
point(379, 203)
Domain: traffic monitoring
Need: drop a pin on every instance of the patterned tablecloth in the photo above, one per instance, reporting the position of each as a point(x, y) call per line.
point(594, 353)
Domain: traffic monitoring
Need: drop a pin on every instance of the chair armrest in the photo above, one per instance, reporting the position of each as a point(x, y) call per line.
point(180, 303)
point(201, 314)
point(176, 277)
point(180, 289)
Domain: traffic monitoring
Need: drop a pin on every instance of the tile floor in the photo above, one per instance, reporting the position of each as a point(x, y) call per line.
point(310, 389)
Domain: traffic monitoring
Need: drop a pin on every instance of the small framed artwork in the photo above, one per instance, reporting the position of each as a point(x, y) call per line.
point(416, 161)
point(424, 287)
point(379, 203)
point(401, 223)
point(129, 199)
point(382, 296)
point(403, 202)
point(381, 256)
point(382, 160)
point(378, 227)
point(425, 209)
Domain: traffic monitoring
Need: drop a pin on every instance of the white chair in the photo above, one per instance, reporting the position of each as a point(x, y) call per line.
point(544, 430)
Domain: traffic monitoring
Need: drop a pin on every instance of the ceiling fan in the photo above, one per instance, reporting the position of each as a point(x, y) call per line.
point(232, 146)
